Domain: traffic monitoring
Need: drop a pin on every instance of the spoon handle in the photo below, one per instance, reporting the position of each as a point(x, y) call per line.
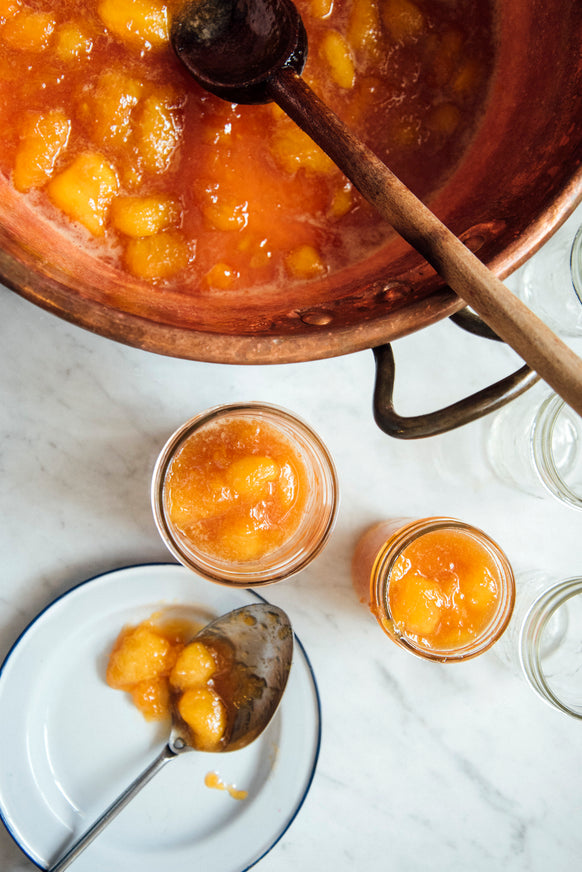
point(128, 794)
point(517, 325)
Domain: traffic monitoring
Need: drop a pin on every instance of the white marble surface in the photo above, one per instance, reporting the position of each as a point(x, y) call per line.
point(422, 766)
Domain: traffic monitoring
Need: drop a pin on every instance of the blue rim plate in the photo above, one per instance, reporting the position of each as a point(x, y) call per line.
point(71, 744)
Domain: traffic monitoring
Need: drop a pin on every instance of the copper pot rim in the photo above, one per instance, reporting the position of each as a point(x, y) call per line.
point(319, 340)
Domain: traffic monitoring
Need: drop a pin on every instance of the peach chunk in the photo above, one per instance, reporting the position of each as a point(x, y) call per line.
point(141, 23)
point(9, 8)
point(242, 540)
point(249, 476)
point(342, 201)
point(204, 498)
point(72, 42)
point(223, 212)
point(304, 262)
point(221, 276)
point(416, 605)
point(29, 31)
point(480, 589)
point(158, 131)
point(321, 8)
point(204, 712)
point(144, 216)
point(288, 485)
point(157, 257)
point(141, 654)
point(444, 53)
point(467, 78)
point(364, 32)
point(338, 55)
point(85, 190)
point(108, 107)
point(195, 666)
point(444, 118)
point(152, 698)
point(43, 138)
point(457, 636)
point(403, 20)
point(294, 150)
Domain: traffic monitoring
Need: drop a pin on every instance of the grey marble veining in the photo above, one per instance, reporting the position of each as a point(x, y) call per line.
point(422, 766)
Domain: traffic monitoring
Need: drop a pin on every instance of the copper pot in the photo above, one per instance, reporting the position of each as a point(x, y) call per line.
point(519, 179)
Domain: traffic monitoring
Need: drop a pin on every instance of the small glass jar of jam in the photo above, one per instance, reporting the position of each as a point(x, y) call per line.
point(438, 587)
point(245, 494)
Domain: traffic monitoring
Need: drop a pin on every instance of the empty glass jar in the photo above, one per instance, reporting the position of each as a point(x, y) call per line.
point(535, 444)
point(550, 283)
point(543, 641)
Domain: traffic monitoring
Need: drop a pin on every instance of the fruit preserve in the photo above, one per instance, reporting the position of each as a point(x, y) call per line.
point(167, 675)
point(438, 587)
point(237, 489)
point(245, 494)
point(111, 142)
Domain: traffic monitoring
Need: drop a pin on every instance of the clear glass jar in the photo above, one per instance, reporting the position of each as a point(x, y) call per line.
point(535, 444)
point(377, 563)
point(543, 642)
point(316, 520)
point(550, 283)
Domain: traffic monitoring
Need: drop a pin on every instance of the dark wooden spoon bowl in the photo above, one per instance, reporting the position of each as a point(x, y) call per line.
point(234, 47)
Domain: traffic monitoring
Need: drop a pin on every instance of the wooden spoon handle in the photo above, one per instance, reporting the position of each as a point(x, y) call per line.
point(551, 358)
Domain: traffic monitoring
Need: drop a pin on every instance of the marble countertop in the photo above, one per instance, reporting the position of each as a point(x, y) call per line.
point(422, 766)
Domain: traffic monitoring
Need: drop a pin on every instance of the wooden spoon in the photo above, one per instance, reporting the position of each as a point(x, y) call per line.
point(253, 51)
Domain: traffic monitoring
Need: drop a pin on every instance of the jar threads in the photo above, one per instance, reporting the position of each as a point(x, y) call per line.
point(535, 444)
point(556, 450)
point(549, 646)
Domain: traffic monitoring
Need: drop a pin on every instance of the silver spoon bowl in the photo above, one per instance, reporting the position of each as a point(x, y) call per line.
point(261, 639)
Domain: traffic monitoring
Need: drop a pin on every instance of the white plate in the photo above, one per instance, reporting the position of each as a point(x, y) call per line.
point(70, 744)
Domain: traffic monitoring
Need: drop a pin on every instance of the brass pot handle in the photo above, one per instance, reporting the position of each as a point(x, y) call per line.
point(463, 411)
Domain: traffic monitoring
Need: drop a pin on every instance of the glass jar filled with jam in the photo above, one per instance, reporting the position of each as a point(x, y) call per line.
point(245, 494)
point(438, 587)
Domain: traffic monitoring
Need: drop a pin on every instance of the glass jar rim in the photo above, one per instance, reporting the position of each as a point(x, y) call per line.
point(413, 530)
point(543, 428)
point(531, 634)
point(240, 574)
point(576, 263)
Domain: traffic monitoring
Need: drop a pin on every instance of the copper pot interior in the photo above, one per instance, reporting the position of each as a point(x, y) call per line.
point(518, 179)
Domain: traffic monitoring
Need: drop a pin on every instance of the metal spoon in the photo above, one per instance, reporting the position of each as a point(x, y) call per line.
point(261, 639)
point(253, 51)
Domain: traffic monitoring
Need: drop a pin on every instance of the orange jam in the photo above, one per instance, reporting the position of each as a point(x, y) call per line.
point(436, 586)
point(236, 490)
point(443, 590)
point(109, 139)
point(212, 780)
point(167, 675)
